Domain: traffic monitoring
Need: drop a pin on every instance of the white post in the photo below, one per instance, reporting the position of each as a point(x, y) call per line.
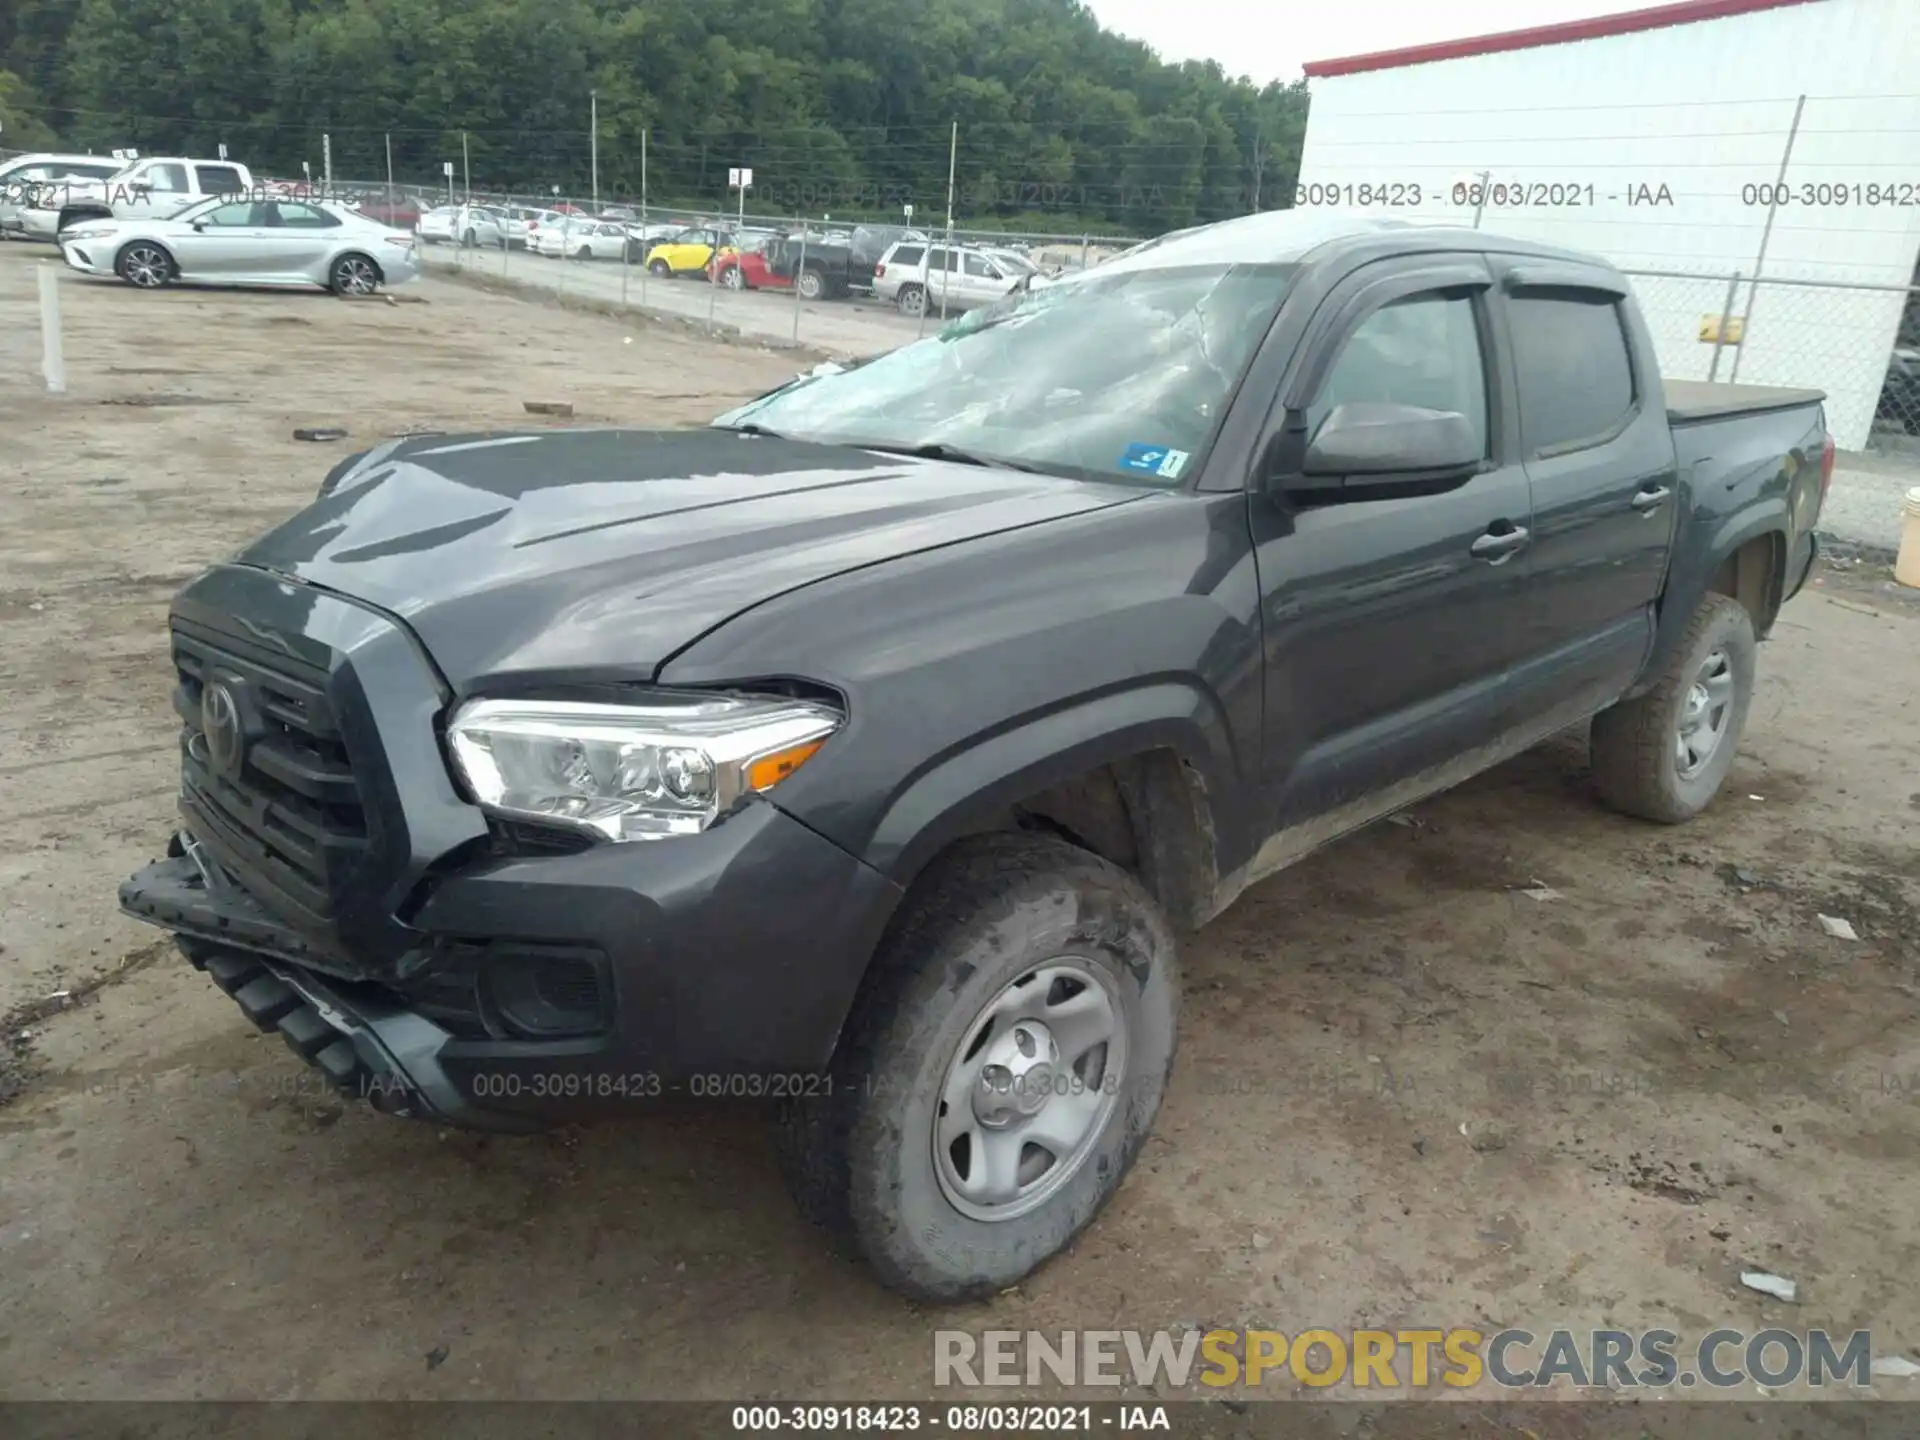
point(326, 162)
point(953, 157)
point(389, 178)
point(645, 243)
point(53, 360)
point(595, 96)
point(466, 175)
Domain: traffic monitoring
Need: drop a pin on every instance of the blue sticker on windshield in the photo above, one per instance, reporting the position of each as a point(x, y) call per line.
point(1154, 460)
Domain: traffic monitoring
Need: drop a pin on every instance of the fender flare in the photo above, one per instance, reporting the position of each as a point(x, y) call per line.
point(1690, 578)
point(1181, 726)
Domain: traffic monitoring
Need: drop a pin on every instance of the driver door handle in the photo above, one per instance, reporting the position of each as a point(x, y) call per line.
point(1651, 499)
point(1495, 547)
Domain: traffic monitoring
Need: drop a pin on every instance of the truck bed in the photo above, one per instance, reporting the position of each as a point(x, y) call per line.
point(1690, 400)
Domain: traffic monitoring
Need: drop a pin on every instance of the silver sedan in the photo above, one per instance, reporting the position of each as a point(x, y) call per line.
point(247, 242)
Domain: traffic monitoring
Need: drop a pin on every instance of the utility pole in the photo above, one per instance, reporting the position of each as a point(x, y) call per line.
point(466, 174)
point(1256, 172)
point(326, 162)
point(594, 98)
point(389, 175)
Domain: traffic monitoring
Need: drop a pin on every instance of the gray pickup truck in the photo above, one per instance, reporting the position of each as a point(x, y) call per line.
point(867, 751)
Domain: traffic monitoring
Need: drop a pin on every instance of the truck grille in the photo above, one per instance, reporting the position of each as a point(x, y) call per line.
point(280, 809)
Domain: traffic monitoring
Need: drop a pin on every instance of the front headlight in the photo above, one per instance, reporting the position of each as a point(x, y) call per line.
point(86, 232)
point(669, 764)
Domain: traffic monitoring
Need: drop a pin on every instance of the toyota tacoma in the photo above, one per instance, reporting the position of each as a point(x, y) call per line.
point(867, 751)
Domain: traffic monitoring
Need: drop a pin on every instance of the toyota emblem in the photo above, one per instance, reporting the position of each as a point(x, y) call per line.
point(220, 722)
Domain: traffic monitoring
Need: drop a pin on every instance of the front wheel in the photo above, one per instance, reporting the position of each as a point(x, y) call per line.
point(583, 253)
point(1000, 1072)
point(353, 275)
point(661, 270)
point(811, 286)
point(912, 301)
point(732, 278)
point(1664, 755)
point(144, 265)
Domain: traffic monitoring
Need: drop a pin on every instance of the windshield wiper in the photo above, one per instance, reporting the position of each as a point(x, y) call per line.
point(940, 450)
point(750, 428)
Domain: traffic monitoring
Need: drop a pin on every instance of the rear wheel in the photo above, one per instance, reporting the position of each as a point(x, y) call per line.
point(1664, 755)
point(353, 275)
point(732, 278)
point(661, 269)
point(912, 301)
point(145, 265)
point(469, 239)
point(585, 252)
point(1000, 1072)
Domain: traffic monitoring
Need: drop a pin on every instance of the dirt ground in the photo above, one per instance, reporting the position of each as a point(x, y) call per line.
point(1408, 1093)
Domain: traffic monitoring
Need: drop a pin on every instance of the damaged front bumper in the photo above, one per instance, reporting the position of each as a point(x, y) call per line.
point(368, 1046)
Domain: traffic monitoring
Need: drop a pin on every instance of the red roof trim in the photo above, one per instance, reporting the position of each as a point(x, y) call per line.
point(1657, 18)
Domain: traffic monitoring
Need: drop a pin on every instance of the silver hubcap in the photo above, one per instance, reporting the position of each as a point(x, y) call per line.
point(356, 277)
point(146, 267)
point(1029, 1090)
point(1703, 715)
point(734, 282)
point(915, 302)
point(809, 288)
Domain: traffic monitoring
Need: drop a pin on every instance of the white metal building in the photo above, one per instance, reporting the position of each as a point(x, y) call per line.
point(1694, 140)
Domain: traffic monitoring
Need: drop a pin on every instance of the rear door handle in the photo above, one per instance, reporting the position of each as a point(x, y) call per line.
point(1651, 499)
point(1494, 548)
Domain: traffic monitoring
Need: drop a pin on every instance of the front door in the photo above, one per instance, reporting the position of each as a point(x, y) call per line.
point(1389, 625)
point(217, 243)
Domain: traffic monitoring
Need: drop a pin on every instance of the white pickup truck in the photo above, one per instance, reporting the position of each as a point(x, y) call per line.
point(145, 189)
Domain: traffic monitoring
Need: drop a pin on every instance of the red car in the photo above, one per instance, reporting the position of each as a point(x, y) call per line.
point(749, 269)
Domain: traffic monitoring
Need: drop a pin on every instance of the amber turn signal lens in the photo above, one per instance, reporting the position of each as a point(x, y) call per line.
point(769, 770)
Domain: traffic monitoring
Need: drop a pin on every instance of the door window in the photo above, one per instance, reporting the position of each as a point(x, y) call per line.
point(238, 214)
point(305, 217)
point(981, 268)
point(218, 179)
point(1576, 378)
point(1424, 350)
point(171, 179)
point(908, 255)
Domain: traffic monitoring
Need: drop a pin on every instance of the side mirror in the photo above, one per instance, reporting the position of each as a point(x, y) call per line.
point(199, 226)
point(1368, 446)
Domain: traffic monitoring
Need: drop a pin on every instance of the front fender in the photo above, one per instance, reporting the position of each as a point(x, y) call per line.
point(964, 791)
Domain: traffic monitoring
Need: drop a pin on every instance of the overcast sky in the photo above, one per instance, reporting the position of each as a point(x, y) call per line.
point(1272, 39)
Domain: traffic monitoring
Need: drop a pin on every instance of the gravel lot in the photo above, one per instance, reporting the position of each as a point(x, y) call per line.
point(1408, 1094)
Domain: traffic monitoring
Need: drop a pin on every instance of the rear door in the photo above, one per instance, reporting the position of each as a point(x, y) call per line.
point(1390, 624)
point(297, 247)
point(1599, 457)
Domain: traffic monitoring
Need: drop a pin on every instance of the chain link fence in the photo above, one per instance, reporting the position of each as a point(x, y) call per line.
point(1860, 343)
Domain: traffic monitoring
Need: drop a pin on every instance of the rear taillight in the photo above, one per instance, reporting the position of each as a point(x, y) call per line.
point(878, 271)
point(1827, 455)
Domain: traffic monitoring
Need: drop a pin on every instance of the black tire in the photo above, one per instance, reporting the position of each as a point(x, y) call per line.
point(734, 278)
point(1637, 744)
point(861, 1160)
point(354, 274)
point(470, 239)
point(812, 285)
point(912, 301)
point(661, 269)
point(585, 252)
point(145, 264)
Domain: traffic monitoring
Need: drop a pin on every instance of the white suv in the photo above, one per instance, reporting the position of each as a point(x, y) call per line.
point(19, 175)
point(918, 277)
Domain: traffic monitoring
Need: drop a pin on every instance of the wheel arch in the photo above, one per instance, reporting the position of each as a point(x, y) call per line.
point(1128, 776)
point(1744, 557)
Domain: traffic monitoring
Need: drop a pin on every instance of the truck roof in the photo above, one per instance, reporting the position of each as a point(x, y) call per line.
point(1282, 237)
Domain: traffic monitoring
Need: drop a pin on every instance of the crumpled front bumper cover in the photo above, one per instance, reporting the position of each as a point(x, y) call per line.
point(380, 1052)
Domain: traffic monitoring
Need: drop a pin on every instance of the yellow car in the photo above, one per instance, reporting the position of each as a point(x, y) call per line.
point(687, 253)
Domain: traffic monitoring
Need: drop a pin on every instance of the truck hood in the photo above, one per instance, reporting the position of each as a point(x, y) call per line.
point(563, 554)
